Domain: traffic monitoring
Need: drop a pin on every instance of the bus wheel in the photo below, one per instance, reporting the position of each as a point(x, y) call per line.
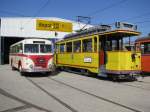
point(13, 68)
point(20, 70)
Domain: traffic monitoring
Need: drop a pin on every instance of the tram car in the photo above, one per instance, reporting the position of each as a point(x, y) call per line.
point(32, 55)
point(100, 50)
point(143, 45)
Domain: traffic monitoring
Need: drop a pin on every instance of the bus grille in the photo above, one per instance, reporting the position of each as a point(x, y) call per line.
point(41, 62)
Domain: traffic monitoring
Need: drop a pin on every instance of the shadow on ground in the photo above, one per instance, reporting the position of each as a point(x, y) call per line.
point(37, 75)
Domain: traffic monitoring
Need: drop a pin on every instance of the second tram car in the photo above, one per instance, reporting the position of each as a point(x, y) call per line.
point(32, 55)
point(143, 45)
point(100, 50)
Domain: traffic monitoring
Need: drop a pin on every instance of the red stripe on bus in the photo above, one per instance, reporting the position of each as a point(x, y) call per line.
point(37, 58)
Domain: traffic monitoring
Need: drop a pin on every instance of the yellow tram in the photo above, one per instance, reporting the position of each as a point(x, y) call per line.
point(100, 50)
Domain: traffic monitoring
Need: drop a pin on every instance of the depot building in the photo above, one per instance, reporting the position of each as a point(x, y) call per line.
point(16, 29)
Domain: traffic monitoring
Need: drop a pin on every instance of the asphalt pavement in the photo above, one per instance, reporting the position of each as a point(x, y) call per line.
point(70, 92)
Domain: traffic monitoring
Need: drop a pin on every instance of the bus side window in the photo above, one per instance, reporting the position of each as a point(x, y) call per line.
point(15, 49)
point(20, 48)
point(77, 46)
point(69, 47)
point(62, 48)
point(87, 45)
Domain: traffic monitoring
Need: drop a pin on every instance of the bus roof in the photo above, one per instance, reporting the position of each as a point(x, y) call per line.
point(31, 41)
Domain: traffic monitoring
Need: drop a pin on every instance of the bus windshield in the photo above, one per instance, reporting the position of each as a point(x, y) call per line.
point(31, 48)
point(45, 48)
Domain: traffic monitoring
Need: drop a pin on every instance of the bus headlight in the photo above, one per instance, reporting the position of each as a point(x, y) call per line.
point(50, 66)
point(31, 66)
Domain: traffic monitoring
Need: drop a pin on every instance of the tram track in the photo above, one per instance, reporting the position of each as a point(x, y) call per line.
point(144, 82)
point(51, 95)
point(134, 86)
point(125, 84)
point(17, 108)
point(96, 96)
point(137, 84)
point(26, 104)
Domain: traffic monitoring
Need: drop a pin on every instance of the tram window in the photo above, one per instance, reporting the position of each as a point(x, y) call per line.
point(62, 48)
point(69, 47)
point(77, 46)
point(95, 44)
point(147, 48)
point(109, 45)
point(57, 48)
point(87, 45)
point(142, 48)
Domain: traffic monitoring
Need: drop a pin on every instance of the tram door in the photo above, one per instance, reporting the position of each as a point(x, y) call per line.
point(101, 51)
point(108, 44)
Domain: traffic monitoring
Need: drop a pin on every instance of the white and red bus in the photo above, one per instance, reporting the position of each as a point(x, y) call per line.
point(32, 55)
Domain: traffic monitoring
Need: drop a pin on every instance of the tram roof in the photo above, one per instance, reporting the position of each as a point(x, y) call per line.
point(143, 39)
point(119, 33)
point(111, 33)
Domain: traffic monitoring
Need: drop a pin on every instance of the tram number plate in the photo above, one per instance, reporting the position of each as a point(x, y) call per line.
point(87, 60)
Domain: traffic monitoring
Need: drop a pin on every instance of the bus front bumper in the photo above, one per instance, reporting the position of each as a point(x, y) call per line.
point(36, 69)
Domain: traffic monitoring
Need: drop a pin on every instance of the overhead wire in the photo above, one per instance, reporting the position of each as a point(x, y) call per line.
point(107, 7)
point(41, 8)
point(135, 17)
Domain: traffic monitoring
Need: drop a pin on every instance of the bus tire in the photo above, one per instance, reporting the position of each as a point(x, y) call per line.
point(20, 70)
point(13, 68)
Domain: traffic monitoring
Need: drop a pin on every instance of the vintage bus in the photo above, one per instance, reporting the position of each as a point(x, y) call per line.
point(143, 45)
point(100, 50)
point(32, 55)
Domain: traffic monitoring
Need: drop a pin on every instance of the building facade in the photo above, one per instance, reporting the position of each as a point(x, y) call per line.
point(15, 29)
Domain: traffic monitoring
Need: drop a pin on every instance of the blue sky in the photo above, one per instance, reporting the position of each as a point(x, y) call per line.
point(101, 11)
